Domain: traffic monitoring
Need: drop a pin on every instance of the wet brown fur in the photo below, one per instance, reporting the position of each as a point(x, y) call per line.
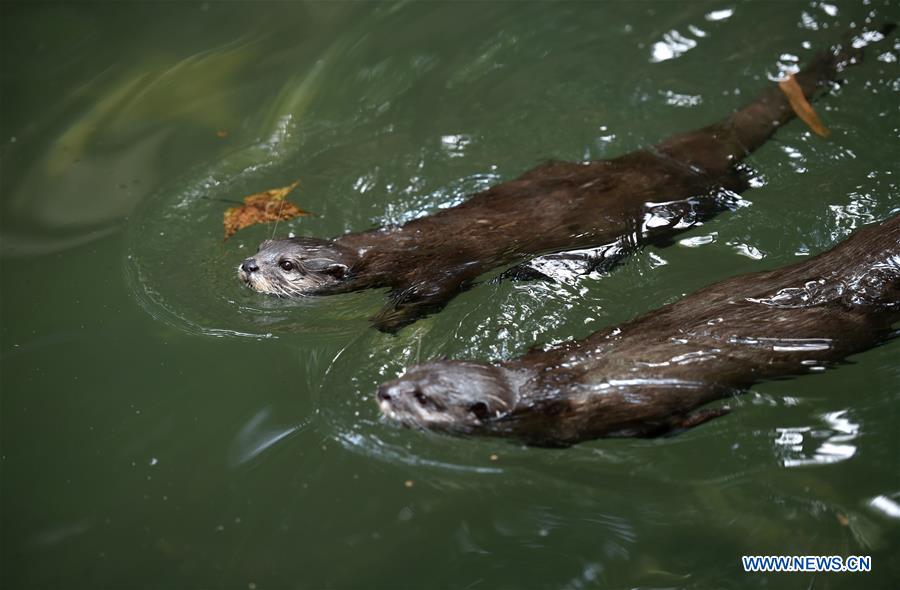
point(648, 376)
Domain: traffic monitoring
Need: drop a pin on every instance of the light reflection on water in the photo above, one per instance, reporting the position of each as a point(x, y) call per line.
point(887, 505)
point(832, 443)
point(256, 437)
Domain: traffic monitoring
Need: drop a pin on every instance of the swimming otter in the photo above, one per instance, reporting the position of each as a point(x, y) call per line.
point(649, 194)
point(647, 377)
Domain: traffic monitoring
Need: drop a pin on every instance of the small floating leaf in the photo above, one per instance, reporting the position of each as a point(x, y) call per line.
point(263, 207)
point(802, 107)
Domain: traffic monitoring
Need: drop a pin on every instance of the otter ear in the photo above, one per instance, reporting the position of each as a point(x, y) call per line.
point(338, 271)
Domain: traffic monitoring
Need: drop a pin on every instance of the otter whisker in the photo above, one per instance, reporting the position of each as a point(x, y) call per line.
point(278, 218)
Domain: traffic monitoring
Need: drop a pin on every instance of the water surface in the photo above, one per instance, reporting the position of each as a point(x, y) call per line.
point(163, 427)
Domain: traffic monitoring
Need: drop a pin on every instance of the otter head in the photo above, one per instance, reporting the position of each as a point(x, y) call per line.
point(450, 396)
point(296, 266)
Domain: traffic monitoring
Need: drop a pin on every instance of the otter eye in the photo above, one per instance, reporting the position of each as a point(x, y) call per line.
point(480, 410)
point(420, 397)
point(286, 265)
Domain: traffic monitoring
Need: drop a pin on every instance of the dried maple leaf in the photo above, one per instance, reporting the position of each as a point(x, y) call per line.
point(802, 107)
point(263, 207)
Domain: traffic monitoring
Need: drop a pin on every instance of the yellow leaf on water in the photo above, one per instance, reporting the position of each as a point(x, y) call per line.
point(802, 107)
point(263, 207)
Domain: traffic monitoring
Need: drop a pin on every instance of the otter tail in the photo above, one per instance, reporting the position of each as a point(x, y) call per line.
point(715, 149)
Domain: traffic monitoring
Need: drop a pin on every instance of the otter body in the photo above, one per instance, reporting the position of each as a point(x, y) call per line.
point(617, 204)
point(648, 376)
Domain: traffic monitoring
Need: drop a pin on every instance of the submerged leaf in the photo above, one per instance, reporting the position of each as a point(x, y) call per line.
point(263, 207)
point(802, 107)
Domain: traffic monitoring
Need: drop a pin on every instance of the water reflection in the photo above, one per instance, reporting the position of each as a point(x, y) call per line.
point(722, 14)
point(697, 241)
point(677, 99)
point(831, 444)
point(257, 437)
point(61, 533)
point(673, 45)
point(94, 171)
point(389, 450)
point(418, 202)
point(747, 250)
point(887, 505)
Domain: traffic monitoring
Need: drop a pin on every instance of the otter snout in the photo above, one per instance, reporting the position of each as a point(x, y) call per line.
point(249, 265)
point(385, 393)
point(397, 389)
point(408, 403)
point(401, 394)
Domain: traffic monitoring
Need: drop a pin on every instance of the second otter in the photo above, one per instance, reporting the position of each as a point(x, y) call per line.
point(621, 203)
point(649, 376)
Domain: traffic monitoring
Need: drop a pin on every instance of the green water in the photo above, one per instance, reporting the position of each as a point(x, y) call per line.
point(164, 427)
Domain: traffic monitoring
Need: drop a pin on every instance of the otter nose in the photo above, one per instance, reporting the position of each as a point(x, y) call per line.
point(249, 265)
point(384, 393)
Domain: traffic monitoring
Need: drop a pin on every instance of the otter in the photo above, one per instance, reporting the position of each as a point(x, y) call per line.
point(649, 376)
point(612, 206)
